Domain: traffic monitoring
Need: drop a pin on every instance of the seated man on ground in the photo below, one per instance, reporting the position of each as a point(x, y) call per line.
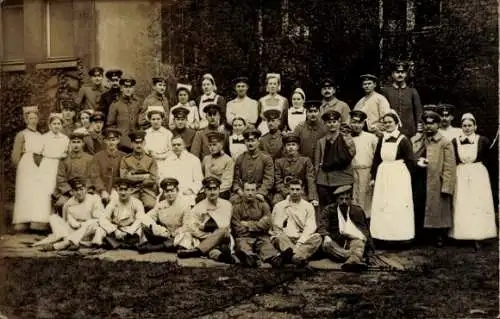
point(142, 169)
point(294, 225)
point(123, 217)
point(79, 223)
point(345, 230)
point(208, 223)
point(162, 225)
point(251, 222)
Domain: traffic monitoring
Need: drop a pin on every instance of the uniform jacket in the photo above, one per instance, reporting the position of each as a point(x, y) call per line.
point(94, 142)
point(89, 96)
point(90, 208)
point(171, 216)
point(203, 211)
point(329, 223)
point(258, 167)
point(75, 165)
point(255, 213)
point(336, 105)
point(187, 135)
point(441, 176)
point(333, 178)
point(123, 114)
point(272, 144)
point(199, 148)
point(104, 169)
point(133, 164)
point(309, 136)
point(127, 216)
point(221, 167)
point(300, 167)
point(108, 98)
point(406, 102)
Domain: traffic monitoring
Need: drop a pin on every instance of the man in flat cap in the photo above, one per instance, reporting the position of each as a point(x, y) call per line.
point(294, 225)
point(184, 100)
point(89, 96)
point(156, 97)
point(68, 108)
point(163, 226)
point(366, 144)
point(332, 161)
point(186, 168)
point(200, 142)
point(242, 106)
point(253, 165)
point(181, 128)
point(293, 165)
point(123, 217)
point(434, 180)
point(79, 223)
point(209, 224)
point(374, 104)
point(142, 169)
point(403, 99)
point(250, 223)
point(76, 164)
point(446, 129)
point(271, 142)
point(123, 113)
point(105, 166)
point(218, 164)
point(345, 232)
point(94, 141)
point(113, 76)
point(311, 130)
point(330, 101)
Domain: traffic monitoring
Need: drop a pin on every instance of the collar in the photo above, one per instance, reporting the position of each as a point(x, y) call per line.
point(239, 136)
point(403, 86)
point(30, 129)
point(295, 110)
point(254, 155)
point(394, 134)
point(241, 98)
point(208, 96)
point(290, 203)
point(436, 137)
point(275, 134)
point(96, 87)
point(331, 102)
point(76, 155)
point(138, 155)
point(159, 95)
point(471, 138)
point(217, 155)
point(292, 159)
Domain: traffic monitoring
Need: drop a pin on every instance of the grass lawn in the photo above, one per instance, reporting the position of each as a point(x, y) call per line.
point(88, 288)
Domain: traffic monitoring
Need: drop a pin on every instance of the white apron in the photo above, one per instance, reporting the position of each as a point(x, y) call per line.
point(473, 211)
point(28, 189)
point(392, 216)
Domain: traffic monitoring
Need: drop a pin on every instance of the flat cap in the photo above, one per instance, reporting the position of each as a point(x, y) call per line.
point(110, 132)
point(96, 71)
point(217, 136)
point(291, 138)
point(113, 72)
point(68, 104)
point(343, 189)
point(272, 114)
point(446, 109)
point(180, 112)
point(155, 109)
point(368, 77)
point(211, 181)
point(399, 65)
point(328, 82)
point(330, 115)
point(312, 104)
point(158, 79)
point(123, 183)
point(359, 115)
point(128, 82)
point(97, 116)
point(137, 136)
point(430, 107)
point(77, 134)
point(169, 181)
point(76, 182)
point(251, 131)
point(211, 108)
point(431, 117)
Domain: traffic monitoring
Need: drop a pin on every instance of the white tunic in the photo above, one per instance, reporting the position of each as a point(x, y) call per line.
point(158, 143)
point(186, 168)
point(450, 133)
point(246, 108)
point(375, 106)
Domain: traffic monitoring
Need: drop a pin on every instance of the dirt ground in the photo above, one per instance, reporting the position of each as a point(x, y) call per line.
point(459, 283)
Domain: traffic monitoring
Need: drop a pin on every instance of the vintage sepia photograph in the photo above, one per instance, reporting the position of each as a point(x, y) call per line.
point(266, 159)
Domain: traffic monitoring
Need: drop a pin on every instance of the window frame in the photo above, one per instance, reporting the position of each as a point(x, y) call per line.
point(13, 64)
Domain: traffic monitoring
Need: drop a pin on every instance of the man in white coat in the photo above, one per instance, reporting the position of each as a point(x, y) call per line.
point(184, 167)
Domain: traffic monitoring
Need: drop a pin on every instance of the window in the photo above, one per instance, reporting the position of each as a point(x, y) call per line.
point(427, 13)
point(59, 29)
point(13, 30)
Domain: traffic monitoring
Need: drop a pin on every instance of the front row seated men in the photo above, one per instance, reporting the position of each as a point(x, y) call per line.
point(345, 231)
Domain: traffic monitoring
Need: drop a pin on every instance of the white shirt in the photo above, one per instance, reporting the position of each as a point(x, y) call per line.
point(296, 119)
point(375, 106)
point(450, 132)
point(187, 170)
point(347, 227)
point(366, 143)
point(300, 219)
point(54, 146)
point(158, 142)
point(246, 108)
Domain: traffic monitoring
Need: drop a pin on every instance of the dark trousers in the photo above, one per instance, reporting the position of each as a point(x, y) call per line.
point(419, 187)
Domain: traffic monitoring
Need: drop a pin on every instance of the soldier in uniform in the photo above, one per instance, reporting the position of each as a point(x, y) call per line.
point(94, 141)
point(271, 142)
point(157, 97)
point(142, 169)
point(68, 108)
point(180, 127)
point(105, 166)
point(330, 101)
point(219, 164)
point(253, 165)
point(77, 164)
point(293, 165)
point(200, 142)
point(311, 130)
point(446, 129)
point(112, 94)
point(89, 96)
point(123, 113)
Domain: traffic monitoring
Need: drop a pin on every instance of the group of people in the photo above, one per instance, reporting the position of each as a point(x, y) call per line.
point(251, 181)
